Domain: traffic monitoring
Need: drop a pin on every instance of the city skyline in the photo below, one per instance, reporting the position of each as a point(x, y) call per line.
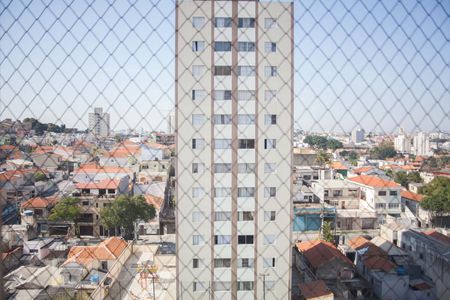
point(377, 66)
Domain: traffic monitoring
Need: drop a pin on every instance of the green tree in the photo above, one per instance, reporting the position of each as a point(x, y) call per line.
point(437, 196)
point(384, 150)
point(323, 143)
point(323, 158)
point(126, 210)
point(401, 178)
point(327, 232)
point(415, 177)
point(68, 209)
point(39, 176)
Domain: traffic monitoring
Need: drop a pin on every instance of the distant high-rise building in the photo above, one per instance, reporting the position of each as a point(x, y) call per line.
point(422, 144)
point(99, 122)
point(402, 143)
point(358, 135)
point(171, 122)
point(234, 96)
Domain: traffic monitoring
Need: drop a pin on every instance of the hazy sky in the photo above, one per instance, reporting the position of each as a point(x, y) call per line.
point(371, 64)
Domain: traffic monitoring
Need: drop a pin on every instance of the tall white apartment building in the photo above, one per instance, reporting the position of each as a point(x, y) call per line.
point(402, 143)
point(234, 122)
point(422, 144)
point(358, 135)
point(99, 122)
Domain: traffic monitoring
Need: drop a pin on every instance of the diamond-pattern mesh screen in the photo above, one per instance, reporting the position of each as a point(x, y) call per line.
point(224, 149)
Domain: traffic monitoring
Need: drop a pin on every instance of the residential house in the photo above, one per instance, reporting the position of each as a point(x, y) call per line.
point(93, 172)
point(35, 212)
point(38, 247)
point(95, 196)
point(381, 195)
point(431, 251)
point(411, 201)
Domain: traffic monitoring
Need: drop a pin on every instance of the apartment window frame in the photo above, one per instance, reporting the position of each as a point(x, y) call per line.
point(270, 215)
point(270, 119)
point(246, 192)
point(270, 191)
point(246, 47)
point(270, 144)
point(221, 168)
point(198, 46)
point(222, 143)
point(222, 239)
point(246, 95)
point(245, 262)
point(246, 239)
point(270, 71)
point(270, 23)
point(198, 95)
point(269, 262)
point(198, 22)
point(223, 22)
point(198, 119)
point(246, 143)
point(222, 70)
point(245, 216)
point(198, 240)
point(246, 168)
point(246, 22)
point(222, 95)
point(222, 119)
point(270, 47)
point(198, 167)
point(222, 216)
point(198, 143)
point(246, 71)
point(222, 46)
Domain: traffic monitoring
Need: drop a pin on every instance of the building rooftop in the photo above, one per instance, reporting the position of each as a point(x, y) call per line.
point(109, 249)
point(335, 183)
point(374, 181)
point(314, 289)
point(412, 196)
point(39, 202)
point(102, 184)
point(319, 252)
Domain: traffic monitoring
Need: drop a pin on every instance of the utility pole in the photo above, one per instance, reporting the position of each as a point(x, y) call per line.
point(264, 275)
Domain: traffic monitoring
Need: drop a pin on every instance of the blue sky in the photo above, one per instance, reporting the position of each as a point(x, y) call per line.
point(371, 64)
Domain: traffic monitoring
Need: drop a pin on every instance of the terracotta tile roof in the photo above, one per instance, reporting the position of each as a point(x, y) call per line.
point(379, 263)
point(156, 145)
point(422, 286)
point(39, 202)
point(374, 181)
point(358, 242)
point(319, 252)
point(102, 184)
point(95, 168)
point(109, 249)
point(363, 169)
point(314, 289)
point(412, 196)
point(154, 200)
point(125, 150)
point(337, 165)
point(438, 236)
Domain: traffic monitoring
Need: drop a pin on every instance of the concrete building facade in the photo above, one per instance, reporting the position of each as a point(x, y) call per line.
point(234, 123)
point(99, 123)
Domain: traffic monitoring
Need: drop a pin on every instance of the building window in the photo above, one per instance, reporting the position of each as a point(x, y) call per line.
point(269, 239)
point(195, 263)
point(222, 119)
point(269, 262)
point(222, 168)
point(222, 143)
point(197, 216)
point(246, 46)
point(270, 285)
point(246, 119)
point(393, 205)
point(270, 168)
point(270, 71)
point(393, 193)
point(221, 285)
point(270, 95)
point(337, 193)
point(246, 192)
point(222, 70)
point(380, 205)
point(104, 265)
point(270, 143)
point(381, 193)
point(198, 168)
point(198, 95)
point(270, 47)
point(198, 192)
point(222, 262)
point(199, 286)
point(220, 22)
point(222, 239)
point(245, 263)
point(222, 216)
point(198, 70)
point(222, 46)
point(245, 285)
point(222, 192)
point(270, 192)
point(246, 22)
point(246, 71)
point(270, 23)
point(198, 46)
point(246, 168)
point(198, 22)
point(245, 216)
point(246, 144)
point(246, 95)
point(245, 239)
point(270, 119)
point(269, 215)
point(198, 119)
point(198, 143)
point(222, 95)
point(197, 239)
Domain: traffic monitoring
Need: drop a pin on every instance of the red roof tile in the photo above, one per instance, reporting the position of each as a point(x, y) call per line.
point(374, 181)
point(337, 165)
point(314, 289)
point(318, 252)
point(438, 236)
point(109, 249)
point(39, 202)
point(379, 263)
point(412, 196)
